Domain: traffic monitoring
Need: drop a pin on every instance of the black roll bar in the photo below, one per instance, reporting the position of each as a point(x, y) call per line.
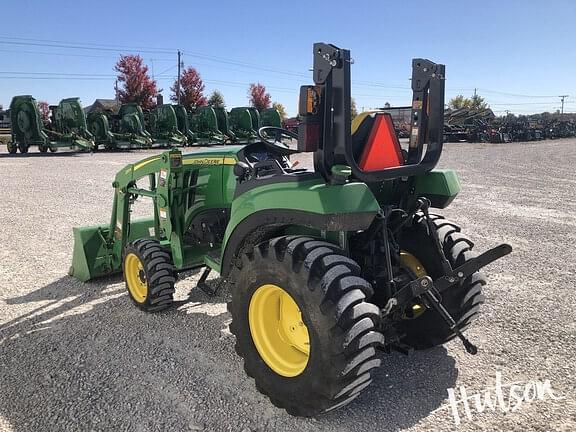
point(332, 75)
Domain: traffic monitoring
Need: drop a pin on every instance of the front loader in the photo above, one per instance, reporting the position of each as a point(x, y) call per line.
point(326, 267)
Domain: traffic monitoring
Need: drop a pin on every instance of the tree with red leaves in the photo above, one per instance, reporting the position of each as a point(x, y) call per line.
point(191, 89)
point(259, 99)
point(44, 109)
point(137, 85)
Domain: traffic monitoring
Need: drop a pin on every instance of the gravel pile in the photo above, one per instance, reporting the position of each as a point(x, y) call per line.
point(77, 356)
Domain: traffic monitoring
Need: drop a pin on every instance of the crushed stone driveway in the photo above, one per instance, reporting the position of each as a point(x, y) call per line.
point(80, 356)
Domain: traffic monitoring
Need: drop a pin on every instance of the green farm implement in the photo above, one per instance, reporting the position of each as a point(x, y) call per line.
point(326, 267)
point(122, 130)
point(183, 123)
point(204, 124)
point(163, 127)
point(245, 123)
point(67, 127)
point(223, 122)
point(270, 117)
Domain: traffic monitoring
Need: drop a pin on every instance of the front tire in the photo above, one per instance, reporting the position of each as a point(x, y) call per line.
point(149, 275)
point(327, 363)
point(462, 300)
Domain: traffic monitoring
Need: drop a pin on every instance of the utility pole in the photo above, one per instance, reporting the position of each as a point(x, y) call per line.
point(562, 97)
point(178, 85)
point(116, 90)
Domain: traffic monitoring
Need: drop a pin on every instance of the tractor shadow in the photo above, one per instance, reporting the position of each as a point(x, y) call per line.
point(85, 358)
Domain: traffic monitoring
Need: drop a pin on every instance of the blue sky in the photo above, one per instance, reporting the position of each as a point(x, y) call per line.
point(520, 55)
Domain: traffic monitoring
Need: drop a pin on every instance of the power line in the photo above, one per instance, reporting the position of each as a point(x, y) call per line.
point(515, 94)
point(148, 50)
point(83, 43)
point(19, 41)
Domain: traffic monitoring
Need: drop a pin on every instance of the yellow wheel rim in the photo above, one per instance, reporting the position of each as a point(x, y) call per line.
point(135, 277)
point(278, 332)
point(414, 264)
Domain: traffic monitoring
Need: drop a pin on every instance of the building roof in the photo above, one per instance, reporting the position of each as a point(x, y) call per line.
point(103, 105)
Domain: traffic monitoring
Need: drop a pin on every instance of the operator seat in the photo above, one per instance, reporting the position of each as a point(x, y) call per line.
point(374, 142)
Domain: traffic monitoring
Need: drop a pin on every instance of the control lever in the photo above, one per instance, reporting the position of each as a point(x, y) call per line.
point(435, 303)
point(425, 288)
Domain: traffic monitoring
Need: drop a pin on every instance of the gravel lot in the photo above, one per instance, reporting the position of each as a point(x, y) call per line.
point(77, 356)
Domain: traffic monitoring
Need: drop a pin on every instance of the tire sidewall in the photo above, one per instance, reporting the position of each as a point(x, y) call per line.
point(295, 284)
point(131, 249)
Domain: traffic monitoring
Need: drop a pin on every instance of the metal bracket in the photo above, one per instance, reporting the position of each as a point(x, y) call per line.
point(472, 266)
point(204, 286)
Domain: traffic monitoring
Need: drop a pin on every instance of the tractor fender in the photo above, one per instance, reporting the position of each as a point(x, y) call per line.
point(262, 212)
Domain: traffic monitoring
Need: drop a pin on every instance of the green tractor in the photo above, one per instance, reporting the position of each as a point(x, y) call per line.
point(326, 267)
point(66, 129)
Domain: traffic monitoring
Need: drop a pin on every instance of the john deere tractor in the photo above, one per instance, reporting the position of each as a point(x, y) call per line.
point(326, 267)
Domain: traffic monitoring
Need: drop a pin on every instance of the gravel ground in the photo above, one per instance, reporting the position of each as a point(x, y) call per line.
point(77, 356)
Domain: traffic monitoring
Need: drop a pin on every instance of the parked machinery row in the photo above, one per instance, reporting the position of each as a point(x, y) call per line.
point(131, 127)
point(483, 126)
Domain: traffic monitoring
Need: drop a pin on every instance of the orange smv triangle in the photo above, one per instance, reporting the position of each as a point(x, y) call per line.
point(383, 148)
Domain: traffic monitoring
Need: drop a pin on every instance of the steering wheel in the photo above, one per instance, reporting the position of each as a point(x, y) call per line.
point(277, 145)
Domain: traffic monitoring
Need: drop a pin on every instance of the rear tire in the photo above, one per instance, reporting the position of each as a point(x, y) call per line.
point(149, 275)
point(12, 148)
point(341, 324)
point(23, 148)
point(462, 300)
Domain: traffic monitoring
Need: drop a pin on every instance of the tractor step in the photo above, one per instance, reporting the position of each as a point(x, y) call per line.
point(212, 259)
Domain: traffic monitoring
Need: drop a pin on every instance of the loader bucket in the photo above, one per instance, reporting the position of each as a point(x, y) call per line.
point(92, 256)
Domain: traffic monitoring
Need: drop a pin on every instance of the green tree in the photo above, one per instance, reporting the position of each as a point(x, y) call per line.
point(281, 110)
point(476, 102)
point(353, 109)
point(216, 99)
